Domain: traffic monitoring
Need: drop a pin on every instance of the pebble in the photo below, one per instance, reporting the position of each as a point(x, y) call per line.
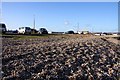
point(60, 59)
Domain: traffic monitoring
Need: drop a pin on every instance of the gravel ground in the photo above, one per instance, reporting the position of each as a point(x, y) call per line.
point(60, 59)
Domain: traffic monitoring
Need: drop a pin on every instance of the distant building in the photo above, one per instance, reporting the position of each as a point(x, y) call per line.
point(115, 33)
point(85, 32)
point(55, 32)
point(97, 33)
point(107, 33)
point(79, 32)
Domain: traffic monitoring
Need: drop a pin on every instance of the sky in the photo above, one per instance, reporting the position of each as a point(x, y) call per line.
point(60, 0)
point(62, 16)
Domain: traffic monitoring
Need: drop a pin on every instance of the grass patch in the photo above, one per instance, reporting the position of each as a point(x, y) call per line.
point(34, 36)
point(30, 37)
point(16, 37)
point(21, 37)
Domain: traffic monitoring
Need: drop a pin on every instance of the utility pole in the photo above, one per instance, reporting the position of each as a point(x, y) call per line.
point(33, 24)
point(77, 27)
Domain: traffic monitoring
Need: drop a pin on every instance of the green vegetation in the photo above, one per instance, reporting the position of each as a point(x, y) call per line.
point(16, 37)
point(34, 36)
point(20, 37)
